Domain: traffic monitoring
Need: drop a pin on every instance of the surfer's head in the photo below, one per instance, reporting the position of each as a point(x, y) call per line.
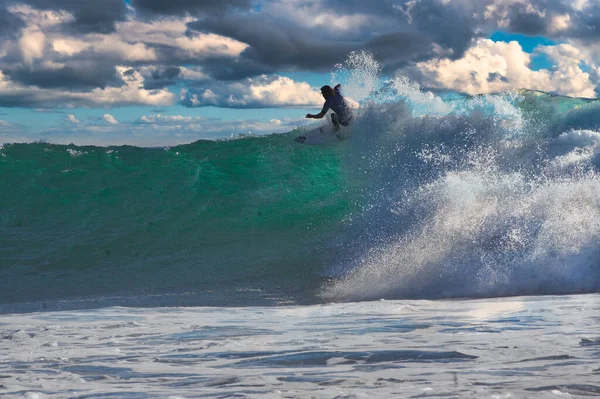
point(327, 91)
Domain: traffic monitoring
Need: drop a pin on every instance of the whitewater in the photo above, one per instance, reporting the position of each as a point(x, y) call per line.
point(449, 247)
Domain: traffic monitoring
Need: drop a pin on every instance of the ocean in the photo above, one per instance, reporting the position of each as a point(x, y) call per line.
point(448, 248)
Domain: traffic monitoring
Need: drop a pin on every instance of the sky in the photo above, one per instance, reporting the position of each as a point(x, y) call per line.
point(155, 72)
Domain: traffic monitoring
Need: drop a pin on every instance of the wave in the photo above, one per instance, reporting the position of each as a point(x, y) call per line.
point(480, 196)
point(81, 221)
point(435, 195)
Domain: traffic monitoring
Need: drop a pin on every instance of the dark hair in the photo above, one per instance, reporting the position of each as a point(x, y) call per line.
point(327, 90)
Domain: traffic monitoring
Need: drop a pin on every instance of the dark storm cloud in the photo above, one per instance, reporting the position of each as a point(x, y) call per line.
point(10, 24)
point(80, 79)
point(451, 25)
point(98, 16)
point(158, 78)
point(405, 32)
point(531, 24)
point(27, 100)
point(586, 24)
point(227, 69)
point(182, 7)
point(275, 44)
point(395, 50)
point(534, 18)
point(90, 15)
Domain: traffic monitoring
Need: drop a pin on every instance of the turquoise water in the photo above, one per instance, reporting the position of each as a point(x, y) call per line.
point(92, 220)
point(435, 196)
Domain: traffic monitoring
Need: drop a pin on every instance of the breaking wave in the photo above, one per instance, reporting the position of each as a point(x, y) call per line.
point(434, 195)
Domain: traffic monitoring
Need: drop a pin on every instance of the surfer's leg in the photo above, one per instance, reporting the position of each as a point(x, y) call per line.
point(335, 121)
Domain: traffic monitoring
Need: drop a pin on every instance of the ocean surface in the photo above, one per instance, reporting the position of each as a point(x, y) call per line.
point(255, 266)
point(521, 347)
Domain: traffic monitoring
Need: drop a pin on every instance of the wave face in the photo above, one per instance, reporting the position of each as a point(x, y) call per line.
point(435, 195)
point(208, 216)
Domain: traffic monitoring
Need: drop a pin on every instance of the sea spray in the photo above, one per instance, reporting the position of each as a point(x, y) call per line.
point(482, 197)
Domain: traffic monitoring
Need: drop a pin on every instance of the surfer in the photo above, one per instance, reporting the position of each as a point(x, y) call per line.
point(342, 114)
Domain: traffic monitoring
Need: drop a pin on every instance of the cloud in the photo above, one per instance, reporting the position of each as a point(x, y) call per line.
point(65, 77)
point(184, 7)
point(12, 133)
point(108, 118)
point(10, 24)
point(5, 125)
point(275, 44)
point(260, 92)
point(47, 55)
point(81, 53)
point(490, 66)
point(71, 118)
point(336, 19)
point(132, 92)
point(158, 119)
point(162, 130)
point(87, 16)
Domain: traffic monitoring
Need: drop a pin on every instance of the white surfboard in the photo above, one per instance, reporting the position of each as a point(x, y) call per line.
point(324, 135)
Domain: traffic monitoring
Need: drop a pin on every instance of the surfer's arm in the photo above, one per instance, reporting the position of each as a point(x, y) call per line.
point(320, 114)
point(317, 116)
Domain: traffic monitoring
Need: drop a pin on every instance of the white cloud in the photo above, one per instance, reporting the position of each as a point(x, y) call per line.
point(132, 92)
point(281, 91)
point(263, 91)
point(192, 73)
point(71, 118)
point(108, 118)
point(113, 46)
point(32, 44)
point(40, 18)
point(169, 119)
point(172, 32)
point(121, 48)
point(490, 66)
point(579, 5)
point(560, 23)
point(69, 46)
